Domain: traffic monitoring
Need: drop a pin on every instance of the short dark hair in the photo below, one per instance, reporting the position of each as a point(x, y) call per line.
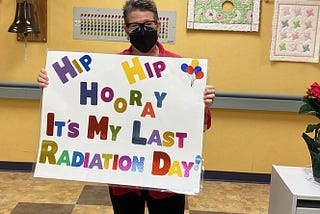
point(142, 5)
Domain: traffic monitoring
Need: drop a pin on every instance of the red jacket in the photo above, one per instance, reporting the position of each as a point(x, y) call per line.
point(119, 190)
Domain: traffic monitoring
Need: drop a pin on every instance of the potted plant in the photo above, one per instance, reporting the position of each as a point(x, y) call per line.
point(311, 106)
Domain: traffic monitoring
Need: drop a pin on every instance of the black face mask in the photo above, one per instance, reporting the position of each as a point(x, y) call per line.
point(143, 39)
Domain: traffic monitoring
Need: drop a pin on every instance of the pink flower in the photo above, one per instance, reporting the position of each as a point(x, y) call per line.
point(311, 106)
point(211, 14)
point(221, 17)
point(314, 90)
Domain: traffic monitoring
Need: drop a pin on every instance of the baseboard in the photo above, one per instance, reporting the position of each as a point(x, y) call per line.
point(16, 166)
point(242, 177)
point(208, 175)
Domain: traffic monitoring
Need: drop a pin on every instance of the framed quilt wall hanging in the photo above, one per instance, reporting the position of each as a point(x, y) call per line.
point(295, 31)
point(230, 15)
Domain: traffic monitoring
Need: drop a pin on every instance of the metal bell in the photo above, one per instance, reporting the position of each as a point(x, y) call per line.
point(24, 20)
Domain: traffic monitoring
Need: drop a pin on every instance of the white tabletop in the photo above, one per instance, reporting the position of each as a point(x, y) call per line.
point(300, 181)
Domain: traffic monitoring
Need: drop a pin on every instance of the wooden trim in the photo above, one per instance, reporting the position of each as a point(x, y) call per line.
point(40, 14)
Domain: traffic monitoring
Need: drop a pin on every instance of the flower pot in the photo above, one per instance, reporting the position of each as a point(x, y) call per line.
point(315, 156)
point(315, 161)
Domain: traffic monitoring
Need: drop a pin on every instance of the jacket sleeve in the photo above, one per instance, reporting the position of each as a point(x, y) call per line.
point(207, 119)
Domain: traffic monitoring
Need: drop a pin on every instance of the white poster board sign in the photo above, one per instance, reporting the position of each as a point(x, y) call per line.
point(123, 120)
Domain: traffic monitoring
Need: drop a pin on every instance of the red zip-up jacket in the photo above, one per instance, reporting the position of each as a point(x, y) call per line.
point(121, 190)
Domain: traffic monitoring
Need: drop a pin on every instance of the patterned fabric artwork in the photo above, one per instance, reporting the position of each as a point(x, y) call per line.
point(295, 31)
point(211, 15)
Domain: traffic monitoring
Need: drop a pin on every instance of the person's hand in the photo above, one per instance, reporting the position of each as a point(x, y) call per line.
point(43, 79)
point(209, 95)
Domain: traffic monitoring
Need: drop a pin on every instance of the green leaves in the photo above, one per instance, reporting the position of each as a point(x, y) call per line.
point(312, 127)
point(314, 147)
point(311, 107)
point(305, 109)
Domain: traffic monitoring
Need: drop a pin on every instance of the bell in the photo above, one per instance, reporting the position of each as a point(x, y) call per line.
point(24, 20)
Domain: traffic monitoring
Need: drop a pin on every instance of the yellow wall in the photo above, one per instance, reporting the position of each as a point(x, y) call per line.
point(240, 140)
point(251, 141)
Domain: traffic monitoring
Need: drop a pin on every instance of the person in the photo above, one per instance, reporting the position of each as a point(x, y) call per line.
point(142, 28)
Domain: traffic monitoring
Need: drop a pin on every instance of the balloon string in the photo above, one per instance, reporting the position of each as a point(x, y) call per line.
point(192, 79)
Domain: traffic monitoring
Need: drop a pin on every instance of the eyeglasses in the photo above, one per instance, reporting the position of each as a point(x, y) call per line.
point(147, 26)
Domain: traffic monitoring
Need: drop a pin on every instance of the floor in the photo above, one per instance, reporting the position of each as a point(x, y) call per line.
point(22, 193)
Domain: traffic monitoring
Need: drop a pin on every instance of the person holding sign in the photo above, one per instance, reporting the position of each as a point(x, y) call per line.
point(142, 28)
